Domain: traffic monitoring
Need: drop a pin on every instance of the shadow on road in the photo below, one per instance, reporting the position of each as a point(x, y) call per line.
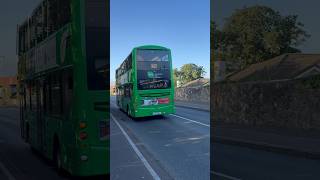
point(151, 118)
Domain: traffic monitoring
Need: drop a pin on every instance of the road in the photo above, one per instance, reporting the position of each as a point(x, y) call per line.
point(170, 147)
point(17, 161)
point(237, 162)
point(175, 146)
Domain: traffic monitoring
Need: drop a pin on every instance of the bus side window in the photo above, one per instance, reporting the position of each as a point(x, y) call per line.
point(25, 97)
point(33, 96)
point(67, 90)
point(48, 96)
point(130, 61)
point(128, 90)
point(56, 94)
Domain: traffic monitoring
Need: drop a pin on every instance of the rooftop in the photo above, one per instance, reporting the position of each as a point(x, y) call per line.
point(286, 66)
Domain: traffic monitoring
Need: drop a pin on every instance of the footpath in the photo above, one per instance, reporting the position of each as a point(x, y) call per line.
point(193, 105)
point(293, 142)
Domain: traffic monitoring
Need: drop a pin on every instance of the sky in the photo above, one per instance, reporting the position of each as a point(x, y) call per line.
point(307, 11)
point(12, 12)
point(181, 25)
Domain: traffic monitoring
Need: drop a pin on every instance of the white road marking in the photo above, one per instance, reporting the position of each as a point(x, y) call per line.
point(225, 176)
point(134, 147)
point(6, 172)
point(207, 125)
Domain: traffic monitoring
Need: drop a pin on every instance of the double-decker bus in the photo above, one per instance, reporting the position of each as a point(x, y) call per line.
point(63, 73)
point(144, 82)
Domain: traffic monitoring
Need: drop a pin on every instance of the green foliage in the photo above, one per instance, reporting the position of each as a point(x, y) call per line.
point(188, 72)
point(255, 34)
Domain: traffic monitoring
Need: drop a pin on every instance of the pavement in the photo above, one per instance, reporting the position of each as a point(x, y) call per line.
point(232, 162)
point(293, 142)
point(193, 105)
point(264, 153)
point(176, 146)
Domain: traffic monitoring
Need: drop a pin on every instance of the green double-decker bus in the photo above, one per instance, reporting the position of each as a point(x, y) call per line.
point(63, 73)
point(144, 82)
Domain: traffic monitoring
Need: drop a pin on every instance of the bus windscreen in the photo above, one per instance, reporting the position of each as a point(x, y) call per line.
point(153, 69)
point(97, 44)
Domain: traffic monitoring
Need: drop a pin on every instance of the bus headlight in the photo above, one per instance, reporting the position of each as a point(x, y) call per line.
point(84, 158)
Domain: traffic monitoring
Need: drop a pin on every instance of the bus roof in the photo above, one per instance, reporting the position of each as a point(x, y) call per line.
point(151, 47)
point(148, 47)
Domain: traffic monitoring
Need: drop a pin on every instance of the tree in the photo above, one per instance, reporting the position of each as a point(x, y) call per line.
point(255, 34)
point(189, 72)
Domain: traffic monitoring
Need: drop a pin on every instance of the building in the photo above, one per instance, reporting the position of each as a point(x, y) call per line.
point(112, 89)
point(284, 67)
point(8, 91)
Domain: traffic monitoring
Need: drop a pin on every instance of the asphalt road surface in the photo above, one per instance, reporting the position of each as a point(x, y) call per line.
point(167, 147)
point(235, 162)
point(17, 160)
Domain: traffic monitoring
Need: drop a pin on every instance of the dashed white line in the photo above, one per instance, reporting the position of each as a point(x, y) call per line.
point(136, 150)
point(203, 124)
point(6, 172)
point(225, 176)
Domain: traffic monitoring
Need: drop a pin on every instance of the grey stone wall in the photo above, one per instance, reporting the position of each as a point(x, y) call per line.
point(200, 94)
point(293, 104)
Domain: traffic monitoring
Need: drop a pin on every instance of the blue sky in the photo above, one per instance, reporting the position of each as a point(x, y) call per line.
point(183, 26)
point(11, 14)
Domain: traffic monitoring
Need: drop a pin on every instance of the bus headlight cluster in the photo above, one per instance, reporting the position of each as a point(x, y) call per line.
point(84, 158)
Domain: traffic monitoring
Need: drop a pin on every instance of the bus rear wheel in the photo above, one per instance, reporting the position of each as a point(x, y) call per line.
point(128, 111)
point(57, 157)
point(27, 134)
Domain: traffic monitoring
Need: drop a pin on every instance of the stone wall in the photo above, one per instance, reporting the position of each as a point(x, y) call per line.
point(199, 94)
point(293, 104)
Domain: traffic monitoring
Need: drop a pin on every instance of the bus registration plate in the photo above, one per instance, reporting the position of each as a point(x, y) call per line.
point(156, 113)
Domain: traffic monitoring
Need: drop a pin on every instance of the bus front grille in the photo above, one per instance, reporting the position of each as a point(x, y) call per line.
point(101, 106)
point(154, 94)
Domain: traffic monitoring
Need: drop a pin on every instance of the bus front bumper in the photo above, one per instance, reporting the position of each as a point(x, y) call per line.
point(153, 111)
point(93, 161)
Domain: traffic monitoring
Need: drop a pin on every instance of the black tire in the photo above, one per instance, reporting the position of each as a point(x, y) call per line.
point(128, 110)
point(27, 134)
point(57, 157)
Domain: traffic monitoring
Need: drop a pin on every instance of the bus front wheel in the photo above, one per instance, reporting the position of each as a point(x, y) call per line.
point(57, 156)
point(128, 111)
